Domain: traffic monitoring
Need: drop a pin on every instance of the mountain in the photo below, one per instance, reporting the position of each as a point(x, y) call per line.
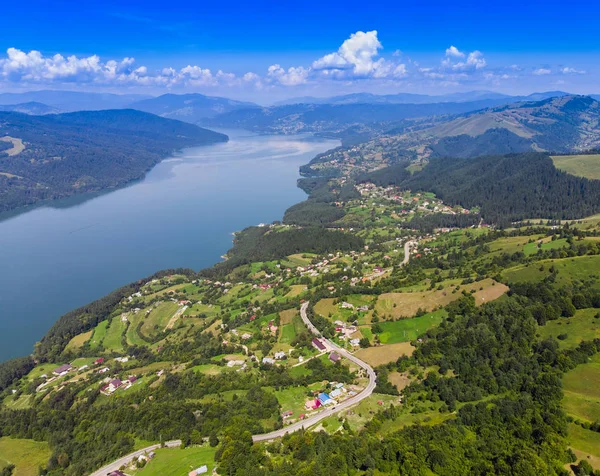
point(557, 124)
point(189, 107)
point(407, 98)
point(33, 108)
point(57, 155)
point(67, 101)
point(334, 118)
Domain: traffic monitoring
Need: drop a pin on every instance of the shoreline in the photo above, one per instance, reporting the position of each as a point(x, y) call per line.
point(223, 257)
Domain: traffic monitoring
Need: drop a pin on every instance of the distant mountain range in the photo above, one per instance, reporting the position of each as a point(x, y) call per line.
point(68, 101)
point(190, 107)
point(407, 98)
point(33, 108)
point(57, 155)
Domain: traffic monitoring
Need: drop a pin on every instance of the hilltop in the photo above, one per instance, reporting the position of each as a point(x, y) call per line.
point(58, 155)
point(189, 107)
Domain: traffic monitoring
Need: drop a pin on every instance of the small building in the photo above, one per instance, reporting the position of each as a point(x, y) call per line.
point(116, 473)
point(280, 355)
point(62, 370)
point(268, 360)
point(334, 357)
point(99, 361)
point(201, 470)
point(318, 344)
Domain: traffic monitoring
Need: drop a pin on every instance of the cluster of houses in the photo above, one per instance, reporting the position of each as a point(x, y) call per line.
point(324, 399)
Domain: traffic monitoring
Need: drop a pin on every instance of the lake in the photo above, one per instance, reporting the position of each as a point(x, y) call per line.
point(67, 253)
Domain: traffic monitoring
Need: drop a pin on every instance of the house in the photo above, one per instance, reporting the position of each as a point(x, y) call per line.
point(103, 370)
point(325, 399)
point(355, 342)
point(99, 361)
point(347, 305)
point(318, 345)
point(336, 393)
point(268, 360)
point(334, 357)
point(83, 367)
point(201, 470)
point(233, 363)
point(117, 473)
point(111, 387)
point(246, 336)
point(280, 355)
point(62, 370)
point(287, 414)
point(312, 404)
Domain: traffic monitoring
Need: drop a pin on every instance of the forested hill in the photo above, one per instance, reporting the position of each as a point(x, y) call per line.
point(507, 188)
point(57, 155)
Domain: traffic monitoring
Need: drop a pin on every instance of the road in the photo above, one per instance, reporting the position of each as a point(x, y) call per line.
point(312, 420)
point(306, 423)
point(115, 465)
point(407, 246)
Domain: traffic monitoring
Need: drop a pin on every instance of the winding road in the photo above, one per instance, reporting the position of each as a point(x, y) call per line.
point(312, 420)
point(306, 423)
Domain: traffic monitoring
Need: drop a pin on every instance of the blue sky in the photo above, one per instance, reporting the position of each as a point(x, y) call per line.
point(271, 50)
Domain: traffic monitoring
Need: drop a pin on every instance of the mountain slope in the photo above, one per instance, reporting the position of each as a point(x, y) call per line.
point(189, 107)
point(33, 108)
point(54, 156)
point(558, 124)
point(338, 117)
point(67, 101)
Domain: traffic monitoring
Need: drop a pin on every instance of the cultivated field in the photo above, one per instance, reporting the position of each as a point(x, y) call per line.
point(178, 461)
point(26, 455)
point(580, 165)
point(384, 354)
point(77, 341)
point(405, 330)
point(407, 304)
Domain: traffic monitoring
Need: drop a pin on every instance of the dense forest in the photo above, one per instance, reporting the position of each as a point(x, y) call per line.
point(262, 244)
point(507, 188)
point(86, 151)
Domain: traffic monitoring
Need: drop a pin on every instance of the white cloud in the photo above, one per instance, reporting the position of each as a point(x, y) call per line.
point(454, 52)
point(542, 72)
point(356, 58)
point(455, 61)
point(292, 77)
point(567, 70)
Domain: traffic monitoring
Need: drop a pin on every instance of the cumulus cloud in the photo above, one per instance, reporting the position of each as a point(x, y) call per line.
point(292, 77)
point(542, 72)
point(456, 60)
point(357, 58)
point(453, 51)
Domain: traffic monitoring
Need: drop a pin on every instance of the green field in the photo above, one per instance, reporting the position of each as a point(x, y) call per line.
point(569, 270)
point(582, 326)
point(290, 331)
point(98, 334)
point(26, 455)
point(77, 341)
point(581, 165)
point(582, 391)
point(179, 462)
point(532, 248)
point(406, 330)
point(158, 319)
point(585, 443)
point(112, 340)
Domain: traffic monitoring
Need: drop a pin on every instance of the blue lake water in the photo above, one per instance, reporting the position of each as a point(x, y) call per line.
point(65, 254)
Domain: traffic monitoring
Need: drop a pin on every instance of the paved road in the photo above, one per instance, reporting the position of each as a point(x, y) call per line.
point(306, 423)
point(310, 421)
point(407, 246)
point(115, 465)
